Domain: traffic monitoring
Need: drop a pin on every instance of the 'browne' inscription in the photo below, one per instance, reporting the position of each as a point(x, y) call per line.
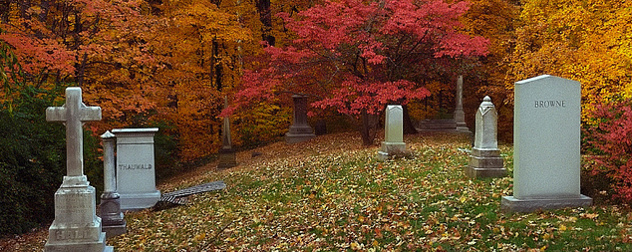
point(550, 104)
point(135, 166)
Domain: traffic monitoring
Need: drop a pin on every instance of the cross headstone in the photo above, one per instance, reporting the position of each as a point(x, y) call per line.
point(227, 157)
point(110, 208)
point(485, 160)
point(393, 132)
point(299, 130)
point(546, 145)
point(76, 226)
point(136, 168)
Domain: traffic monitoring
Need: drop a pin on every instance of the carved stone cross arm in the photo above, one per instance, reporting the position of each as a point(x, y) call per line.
point(73, 113)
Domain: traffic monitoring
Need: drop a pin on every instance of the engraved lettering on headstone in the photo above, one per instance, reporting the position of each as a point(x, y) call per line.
point(550, 104)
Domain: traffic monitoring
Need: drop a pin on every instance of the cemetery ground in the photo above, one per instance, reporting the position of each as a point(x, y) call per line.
point(332, 194)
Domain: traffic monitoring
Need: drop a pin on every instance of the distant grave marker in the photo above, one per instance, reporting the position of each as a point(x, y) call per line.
point(546, 145)
point(227, 157)
point(300, 130)
point(393, 132)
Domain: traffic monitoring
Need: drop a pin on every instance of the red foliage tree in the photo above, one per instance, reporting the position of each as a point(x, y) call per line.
point(357, 56)
point(610, 136)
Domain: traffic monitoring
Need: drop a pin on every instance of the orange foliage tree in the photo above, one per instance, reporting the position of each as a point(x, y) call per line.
point(141, 61)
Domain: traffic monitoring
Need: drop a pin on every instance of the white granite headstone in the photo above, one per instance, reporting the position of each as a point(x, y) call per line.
point(136, 168)
point(546, 145)
point(393, 132)
point(76, 226)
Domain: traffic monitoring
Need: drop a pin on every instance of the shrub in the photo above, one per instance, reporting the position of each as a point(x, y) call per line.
point(609, 139)
point(32, 150)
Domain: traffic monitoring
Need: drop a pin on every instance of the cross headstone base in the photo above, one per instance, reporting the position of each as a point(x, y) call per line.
point(76, 226)
point(511, 204)
point(485, 163)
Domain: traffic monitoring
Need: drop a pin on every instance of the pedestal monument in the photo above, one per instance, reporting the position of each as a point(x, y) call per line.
point(136, 168)
point(300, 130)
point(76, 226)
point(485, 160)
point(110, 208)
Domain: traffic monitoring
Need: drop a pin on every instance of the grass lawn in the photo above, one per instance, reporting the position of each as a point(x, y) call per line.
point(332, 194)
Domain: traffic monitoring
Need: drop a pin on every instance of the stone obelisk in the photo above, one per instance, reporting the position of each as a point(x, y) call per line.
point(227, 157)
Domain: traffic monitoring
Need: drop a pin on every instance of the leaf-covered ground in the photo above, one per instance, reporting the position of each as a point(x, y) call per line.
point(333, 194)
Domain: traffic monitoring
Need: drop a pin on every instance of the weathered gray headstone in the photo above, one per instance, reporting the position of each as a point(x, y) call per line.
point(299, 130)
point(485, 160)
point(546, 145)
point(76, 226)
point(227, 157)
point(393, 132)
point(110, 208)
point(135, 168)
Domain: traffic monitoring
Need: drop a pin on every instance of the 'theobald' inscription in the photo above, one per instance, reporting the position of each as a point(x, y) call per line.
point(135, 166)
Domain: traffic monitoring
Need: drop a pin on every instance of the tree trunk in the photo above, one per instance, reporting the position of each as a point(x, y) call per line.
point(409, 126)
point(368, 123)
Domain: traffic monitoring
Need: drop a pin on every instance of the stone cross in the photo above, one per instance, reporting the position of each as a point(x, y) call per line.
point(76, 226)
point(73, 113)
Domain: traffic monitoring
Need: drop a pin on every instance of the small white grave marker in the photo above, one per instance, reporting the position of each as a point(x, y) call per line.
point(393, 132)
point(546, 145)
point(76, 226)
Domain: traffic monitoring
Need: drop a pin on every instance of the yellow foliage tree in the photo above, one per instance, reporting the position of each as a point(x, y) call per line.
point(584, 40)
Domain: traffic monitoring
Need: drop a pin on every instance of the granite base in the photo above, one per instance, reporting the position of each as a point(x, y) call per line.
point(511, 204)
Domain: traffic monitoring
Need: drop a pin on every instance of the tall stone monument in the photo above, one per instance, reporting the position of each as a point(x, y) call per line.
point(459, 115)
point(546, 145)
point(393, 133)
point(227, 157)
point(485, 160)
point(456, 124)
point(110, 208)
point(136, 168)
point(299, 130)
point(76, 226)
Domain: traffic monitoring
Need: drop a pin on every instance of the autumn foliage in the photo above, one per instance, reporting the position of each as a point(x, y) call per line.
point(609, 135)
point(357, 56)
